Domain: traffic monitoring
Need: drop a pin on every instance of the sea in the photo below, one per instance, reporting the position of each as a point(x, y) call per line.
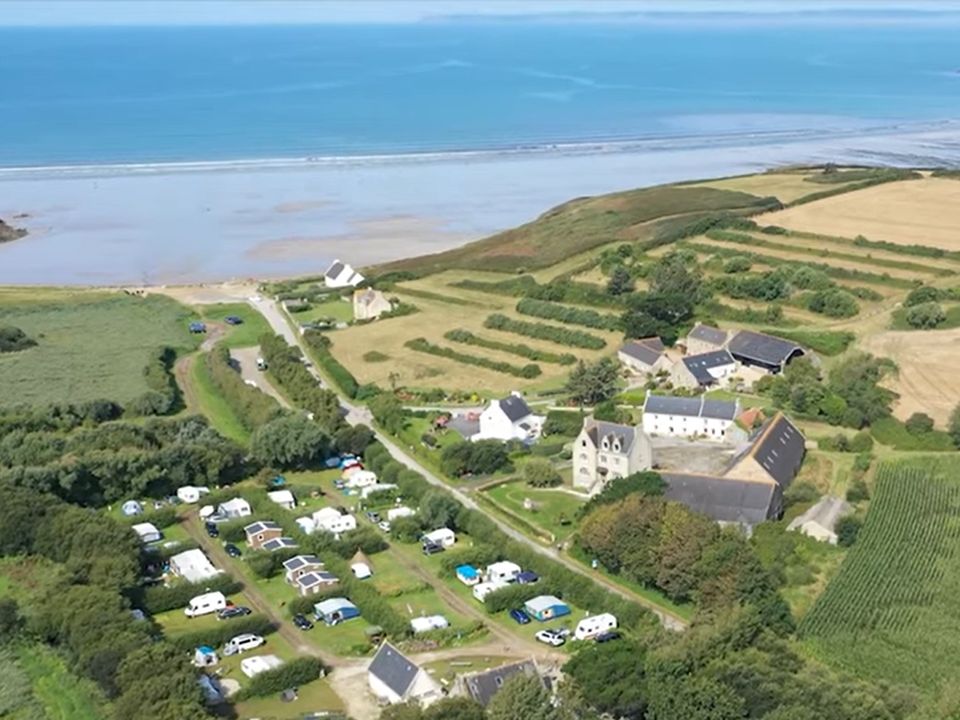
point(470, 126)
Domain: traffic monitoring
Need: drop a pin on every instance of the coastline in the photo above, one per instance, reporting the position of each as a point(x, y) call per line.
point(210, 222)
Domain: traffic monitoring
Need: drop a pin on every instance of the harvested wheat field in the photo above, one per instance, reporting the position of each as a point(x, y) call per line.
point(928, 381)
point(910, 212)
point(786, 187)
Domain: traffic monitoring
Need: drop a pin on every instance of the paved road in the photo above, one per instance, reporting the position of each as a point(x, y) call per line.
point(358, 414)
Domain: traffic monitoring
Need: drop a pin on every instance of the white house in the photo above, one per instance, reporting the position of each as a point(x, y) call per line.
point(441, 536)
point(339, 275)
point(330, 520)
point(606, 451)
point(236, 508)
point(369, 304)
point(193, 566)
point(253, 666)
point(646, 356)
point(502, 572)
point(283, 498)
point(509, 419)
point(147, 532)
point(692, 417)
point(395, 679)
point(191, 493)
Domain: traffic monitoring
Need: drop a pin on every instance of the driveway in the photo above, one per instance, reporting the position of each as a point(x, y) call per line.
point(246, 361)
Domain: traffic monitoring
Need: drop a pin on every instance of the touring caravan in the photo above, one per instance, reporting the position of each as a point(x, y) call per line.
point(205, 604)
point(594, 625)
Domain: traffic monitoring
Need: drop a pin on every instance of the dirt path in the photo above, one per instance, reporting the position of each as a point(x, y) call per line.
point(183, 368)
point(246, 361)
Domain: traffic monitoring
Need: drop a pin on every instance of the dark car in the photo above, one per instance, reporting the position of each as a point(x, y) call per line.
point(520, 616)
point(527, 577)
point(232, 550)
point(233, 320)
point(607, 636)
point(212, 529)
point(432, 548)
point(373, 516)
point(233, 611)
point(301, 622)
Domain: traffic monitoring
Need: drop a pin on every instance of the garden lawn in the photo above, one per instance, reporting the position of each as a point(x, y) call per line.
point(313, 699)
point(247, 334)
point(423, 603)
point(447, 670)
point(90, 345)
point(335, 308)
point(174, 622)
point(213, 406)
point(554, 510)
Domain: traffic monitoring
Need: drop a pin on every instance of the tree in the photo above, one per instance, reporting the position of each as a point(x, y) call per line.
point(539, 472)
point(290, 441)
point(13, 339)
point(593, 383)
point(438, 509)
point(925, 315)
point(922, 295)
point(833, 302)
point(10, 620)
point(353, 439)
point(694, 698)
point(657, 313)
point(621, 282)
point(522, 697)
point(677, 274)
point(474, 458)
point(847, 529)
point(919, 424)
point(609, 412)
point(684, 536)
point(455, 708)
point(611, 676)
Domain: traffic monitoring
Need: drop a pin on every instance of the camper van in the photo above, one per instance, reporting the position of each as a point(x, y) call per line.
point(205, 604)
point(242, 643)
point(594, 625)
point(483, 589)
point(261, 364)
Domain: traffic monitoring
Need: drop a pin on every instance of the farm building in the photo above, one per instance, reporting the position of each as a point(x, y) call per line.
point(766, 352)
point(704, 339)
point(395, 679)
point(147, 532)
point(283, 498)
point(340, 275)
point(509, 419)
point(279, 543)
point(253, 666)
point(260, 532)
point(335, 610)
point(300, 565)
point(428, 623)
point(605, 451)
point(704, 370)
point(819, 522)
point(236, 508)
point(369, 304)
point(546, 607)
point(193, 566)
point(692, 417)
point(482, 686)
point(646, 356)
point(468, 574)
point(313, 582)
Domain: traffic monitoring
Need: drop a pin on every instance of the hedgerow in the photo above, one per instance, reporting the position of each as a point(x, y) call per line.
point(542, 331)
point(567, 315)
point(252, 407)
point(320, 344)
point(468, 338)
point(291, 674)
point(423, 345)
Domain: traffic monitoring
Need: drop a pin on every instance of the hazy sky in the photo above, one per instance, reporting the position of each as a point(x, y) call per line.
point(228, 12)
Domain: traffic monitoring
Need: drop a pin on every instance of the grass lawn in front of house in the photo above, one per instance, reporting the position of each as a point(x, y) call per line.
point(553, 510)
point(336, 309)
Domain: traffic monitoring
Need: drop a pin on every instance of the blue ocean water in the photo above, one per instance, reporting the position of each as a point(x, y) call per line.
point(74, 96)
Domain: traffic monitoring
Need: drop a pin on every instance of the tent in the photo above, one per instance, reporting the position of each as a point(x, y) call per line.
point(131, 508)
point(335, 610)
point(147, 532)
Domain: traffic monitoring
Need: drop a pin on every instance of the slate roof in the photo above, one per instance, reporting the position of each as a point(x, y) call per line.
point(483, 686)
point(765, 349)
point(646, 350)
point(299, 561)
point(393, 669)
point(280, 543)
point(724, 499)
point(515, 408)
point(709, 334)
point(699, 364)
point(779, 449)
point(690, 407)
point(318, 577)
point(599, 429)
point(260, 526)
point(333, 272)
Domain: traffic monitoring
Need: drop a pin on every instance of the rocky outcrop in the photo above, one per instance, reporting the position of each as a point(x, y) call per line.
point(8, 233)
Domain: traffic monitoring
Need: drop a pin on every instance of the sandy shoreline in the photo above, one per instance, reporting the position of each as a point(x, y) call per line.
point(211, 226)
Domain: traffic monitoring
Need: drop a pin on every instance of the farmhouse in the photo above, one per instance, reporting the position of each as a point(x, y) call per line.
point(340, 275)
point(691, 417)
point(236, 508)
point(260, 532)
point(147, 532)
point(605, 451)
point(509, 419)
point(482, 686)
point(819, 522)
point(646, 356)
point(705, 338)
point(193, 566)
point(395, 679)
point(369, 304)
point(704, 370)
point(300, 565)
point(766, 352)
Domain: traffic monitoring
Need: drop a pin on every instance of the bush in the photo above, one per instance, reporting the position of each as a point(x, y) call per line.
point(567, 315)
point(218, 634)
point(858, 492)
point(922, 295)
point(541, 473)
point(737, 264)
point(514, 596)
point(290, 441)
point(925, 315)
point(287, 368)
point(919, 424)
point(847, 529)
point(542, 331)
point(862, 442)
point(563, 422)
point(161, 598)
point(424, 346)
point(14, 339)
point(251, 406)
point(834, 303)
point(320, 344)
point(291, 674)
point(468, 338)
point(889, 431)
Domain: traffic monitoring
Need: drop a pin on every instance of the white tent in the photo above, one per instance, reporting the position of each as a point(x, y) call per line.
point(236, 508)
point(283, 498)
point(257, 664)
point(193, 566)
point(131, 508)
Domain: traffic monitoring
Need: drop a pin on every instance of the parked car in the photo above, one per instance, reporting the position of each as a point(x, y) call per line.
point(233, 611)
point(232, 550)
point(233, 320)
point(432, 548)
point(373, 516)
point(520, 616)
point(550, 637)
point(607, 636)
point(242, 643)
point(384, 525)
point(301, 622)
point(212, 529)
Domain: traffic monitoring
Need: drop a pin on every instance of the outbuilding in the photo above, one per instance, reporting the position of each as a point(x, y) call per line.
point(335, 610)
point(313, 582)
point(546, 607)
point(147, 532)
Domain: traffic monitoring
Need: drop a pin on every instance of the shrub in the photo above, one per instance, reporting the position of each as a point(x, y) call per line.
point(251, 406)
point(217, 635)
point(847, 529)
point(161, 598)
point(834, 303)
point(541, 473)
point(542, 331)
point(567, 315)
point(563, 422)
point(375, 356)
point(921, 295)
point(320, 344)
point(424, 346)
point(925, 315)
point(857, 492)
point(862, 442)
point(14, 339)
point(291, 674)
point(737, 264)
point(919, 424)
point(468, 338)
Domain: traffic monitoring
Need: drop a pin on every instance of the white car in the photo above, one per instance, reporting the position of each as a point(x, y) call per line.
point(550, 637)
point(384, 525)
point(242, 643)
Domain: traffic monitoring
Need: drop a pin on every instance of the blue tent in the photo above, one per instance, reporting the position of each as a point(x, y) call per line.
point(335, 610)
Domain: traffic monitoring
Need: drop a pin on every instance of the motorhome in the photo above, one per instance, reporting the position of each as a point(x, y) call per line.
point(205, 604)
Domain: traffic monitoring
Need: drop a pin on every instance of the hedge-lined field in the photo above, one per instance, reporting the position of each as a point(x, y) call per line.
point(468, 338)
point(543, 331)
point(530, 370)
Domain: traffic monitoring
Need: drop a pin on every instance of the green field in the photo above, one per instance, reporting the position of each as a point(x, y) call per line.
point(61, 694)
point(335, 308)
point(247, 334)
point(213, 406)
point(89, 345)
point(891, 612)
point(554, 510)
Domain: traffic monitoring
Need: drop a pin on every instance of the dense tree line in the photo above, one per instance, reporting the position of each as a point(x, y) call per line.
point(483, 457)
point(163, 395)
point(592, 383)
point(251, 406)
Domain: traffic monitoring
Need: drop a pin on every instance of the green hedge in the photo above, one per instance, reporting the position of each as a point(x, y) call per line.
point(286, 366)
point(542, 331)
point(514, 596)
point(251, 406)
point(163, 394)
point(161, 598)
point(218, 634)
point(291, 674)
point(825, 342)
point(320, 344)
point(568, 315)
point(468, 338)
point(892, 432)
point(563, 422)
point(423, 345)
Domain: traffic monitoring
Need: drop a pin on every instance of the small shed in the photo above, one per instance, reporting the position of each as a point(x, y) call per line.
point(441, 536)
point(335, 610)
point(253, 666)
point(147, 532)
point(131, 508)
point(546, 607)
point(468, 574)
point(428, 623)
point(283, 498)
